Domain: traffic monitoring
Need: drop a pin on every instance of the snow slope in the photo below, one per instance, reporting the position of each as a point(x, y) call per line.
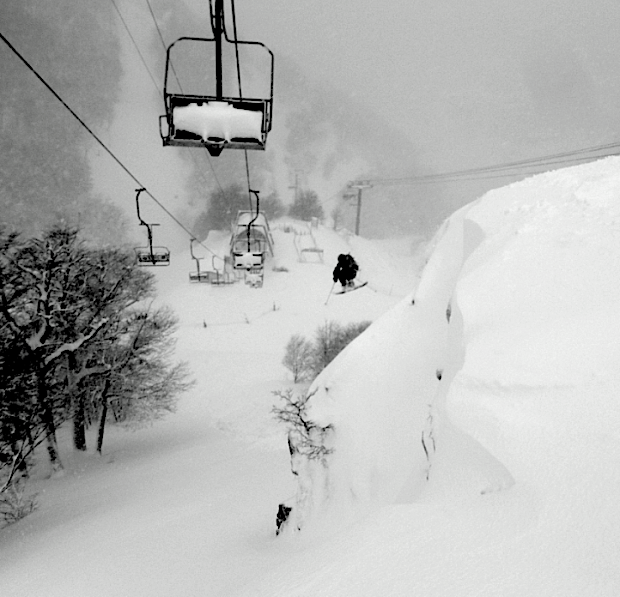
point(188, 506)
point(475, 425)
point(523, 480)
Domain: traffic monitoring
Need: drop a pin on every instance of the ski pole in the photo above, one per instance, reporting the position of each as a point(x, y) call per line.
point(330, 292)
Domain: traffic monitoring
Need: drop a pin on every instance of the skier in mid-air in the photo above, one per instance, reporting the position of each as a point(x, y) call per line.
point(345, 271)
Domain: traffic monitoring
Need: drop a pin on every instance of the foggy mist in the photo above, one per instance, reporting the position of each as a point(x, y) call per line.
point(367, 91)
point(469, 84)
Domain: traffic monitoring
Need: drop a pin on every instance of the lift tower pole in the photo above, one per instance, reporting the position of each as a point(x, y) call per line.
point(360, 185)
point(217, 34)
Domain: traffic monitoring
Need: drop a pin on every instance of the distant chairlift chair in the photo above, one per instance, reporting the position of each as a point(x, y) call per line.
point(199, 275)
point(151, 255)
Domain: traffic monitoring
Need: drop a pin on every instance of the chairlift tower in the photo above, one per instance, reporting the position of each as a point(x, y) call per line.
point(360, 185)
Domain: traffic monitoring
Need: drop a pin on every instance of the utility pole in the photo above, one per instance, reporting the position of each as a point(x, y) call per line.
point(296, 186)
point(360, 185)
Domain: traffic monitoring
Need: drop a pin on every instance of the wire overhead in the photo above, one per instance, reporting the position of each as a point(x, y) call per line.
point(245, 151)
point(96, 137)
point(508, 169)
point(500, 170)
point(148, 70)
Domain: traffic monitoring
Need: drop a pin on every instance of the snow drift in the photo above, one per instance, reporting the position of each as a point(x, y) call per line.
point(475, 426)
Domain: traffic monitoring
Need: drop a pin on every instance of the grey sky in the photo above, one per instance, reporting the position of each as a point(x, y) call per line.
point(471, 82)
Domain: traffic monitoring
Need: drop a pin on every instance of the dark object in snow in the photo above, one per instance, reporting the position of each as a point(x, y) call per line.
point(350, 287)
point(345, 270)
point(449, 312)
point(439, 374)
point(282, 517)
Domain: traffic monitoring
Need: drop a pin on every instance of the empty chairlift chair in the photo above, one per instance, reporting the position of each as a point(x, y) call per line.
point(206, 105)
point(199, 275)
point(150, 255)
point(251, 241)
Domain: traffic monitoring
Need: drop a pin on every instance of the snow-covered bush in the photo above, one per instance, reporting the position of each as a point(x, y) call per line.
point(15, 504)
point(224, 203)
point(298, 358)
point(305, 437)
point(306, 206)
point(330, 339)
point(272, 206)
point(306, 360)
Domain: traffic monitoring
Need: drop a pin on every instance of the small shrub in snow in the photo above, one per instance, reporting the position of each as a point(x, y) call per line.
point(281, 517)
point(305, 437)
point(331, 339)
point(15, 504)
point(428, 440)
point(306, 359)
point(298, 358)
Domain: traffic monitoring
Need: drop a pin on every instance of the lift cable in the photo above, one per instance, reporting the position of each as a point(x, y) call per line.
point(245, 151)
point(161, 38)
point(211, 15)
point(502, 170)
point(543, 167)
point(97, 139)
point(234, 16)
point(148, 70)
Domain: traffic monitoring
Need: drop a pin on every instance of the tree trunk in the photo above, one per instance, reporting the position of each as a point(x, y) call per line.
point(104, 415)
point(77, 399)
point(47, 418)
point(79, 425)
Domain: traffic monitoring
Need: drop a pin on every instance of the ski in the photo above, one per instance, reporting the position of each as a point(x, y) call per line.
point(351, 288)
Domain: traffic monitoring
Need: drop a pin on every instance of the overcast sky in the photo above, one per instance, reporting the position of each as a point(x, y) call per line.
point(469, 81)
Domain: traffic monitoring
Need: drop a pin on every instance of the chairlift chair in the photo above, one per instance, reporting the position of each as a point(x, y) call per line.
point(199, 275)
point(151, 255)
point(156, 256)
point(214, 120)
point(251, 239)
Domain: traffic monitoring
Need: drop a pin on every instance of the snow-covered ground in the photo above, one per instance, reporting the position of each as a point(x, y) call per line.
point(188, 506)
point(498, 361)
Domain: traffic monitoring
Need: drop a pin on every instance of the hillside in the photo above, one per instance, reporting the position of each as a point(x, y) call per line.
point(478, 454)
point(474, 425)
point(188, 506)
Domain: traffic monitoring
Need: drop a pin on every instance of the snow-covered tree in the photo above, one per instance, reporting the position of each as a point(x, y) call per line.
point(142, 382)
point(306, 206)
point(224, 203)
point(76, 333)
point(298, 358)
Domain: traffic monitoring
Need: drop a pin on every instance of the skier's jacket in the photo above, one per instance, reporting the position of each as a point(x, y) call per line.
point(346, 269)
